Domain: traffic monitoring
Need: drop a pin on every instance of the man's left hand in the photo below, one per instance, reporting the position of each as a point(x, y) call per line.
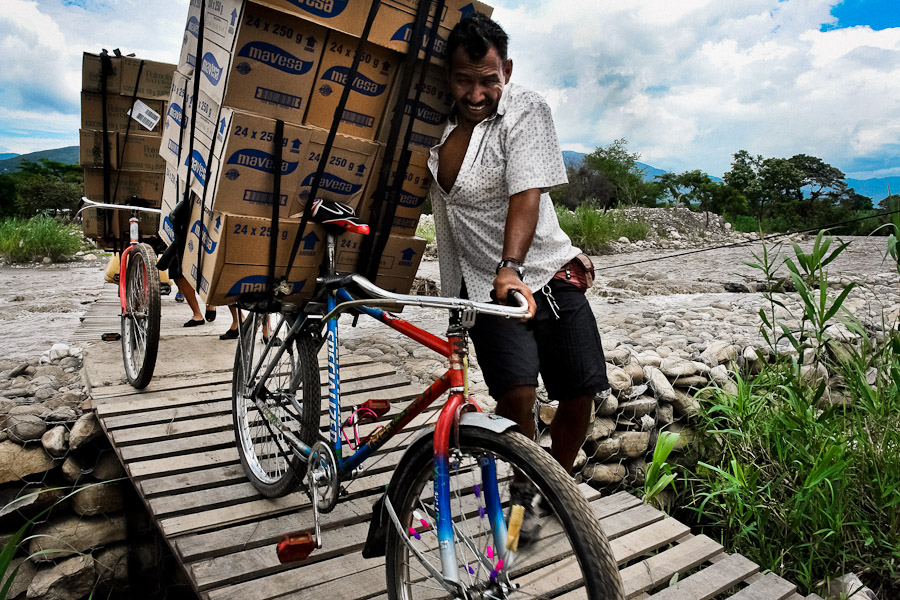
point(507, 280)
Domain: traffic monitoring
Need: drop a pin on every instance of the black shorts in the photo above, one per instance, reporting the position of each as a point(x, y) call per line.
point(565, 351)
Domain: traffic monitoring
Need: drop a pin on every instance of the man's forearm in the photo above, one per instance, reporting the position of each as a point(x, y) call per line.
point(521, 221)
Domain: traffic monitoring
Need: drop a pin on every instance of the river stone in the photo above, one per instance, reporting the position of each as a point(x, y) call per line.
point(107, 467)
point(810, 374)
point(112, 565)
point(648, 423)
point(635, 371)
point(70, 579)
point(618, 378)
point(632, 443)
point(580, 460)
point(702, 368)
point(604, 449)
point(18, 461)
point(607, 405)
point(609, 344)
point(691, 381)
point(18, 370)
point(28, 500)
point(62, 414)
point(649, 358)
point(659, 384)
point(97, 499)
point(547, 411)
point(636, 471)
point(72, 470)
point(58, 352)
point(25, 428)
point(85, 429)
point(23, 576)
point(665, 414)
point(619, 356)
point(56, 441)
point(685, 404)
point(75, 534)
point(545, 441)
point(752, 359)
point(719, 375)
point(685, 436)
point(609, 474)
point(677, 367)
point(601, 428)
point(637, 408)
point(719, 352)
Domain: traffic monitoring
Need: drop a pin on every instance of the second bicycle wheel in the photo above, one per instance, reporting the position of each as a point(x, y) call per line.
point(140, 318)
point(288, 405)
point(568, 555)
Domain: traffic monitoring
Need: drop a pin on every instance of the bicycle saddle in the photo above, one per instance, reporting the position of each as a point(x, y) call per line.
point(329, 212)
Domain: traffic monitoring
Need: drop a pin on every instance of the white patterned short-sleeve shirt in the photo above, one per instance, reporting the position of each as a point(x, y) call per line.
point(510, 152)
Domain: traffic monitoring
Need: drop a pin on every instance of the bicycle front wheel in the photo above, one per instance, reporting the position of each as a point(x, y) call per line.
point(287, 408)
point(566, 553)
point(140, 318)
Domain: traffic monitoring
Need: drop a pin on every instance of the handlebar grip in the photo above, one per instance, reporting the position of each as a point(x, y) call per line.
point(517, 297)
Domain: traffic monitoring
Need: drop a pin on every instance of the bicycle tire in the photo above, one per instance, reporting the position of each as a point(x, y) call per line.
point(292, 395)
point(576, 534)
point(140, 319)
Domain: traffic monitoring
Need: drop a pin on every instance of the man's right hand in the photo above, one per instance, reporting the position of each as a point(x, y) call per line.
point(507, 280)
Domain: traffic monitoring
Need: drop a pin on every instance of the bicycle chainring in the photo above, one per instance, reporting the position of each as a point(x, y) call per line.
point(322, 470)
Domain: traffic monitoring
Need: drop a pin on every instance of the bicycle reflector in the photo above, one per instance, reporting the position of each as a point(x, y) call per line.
point(295, 547)
point(110, 337)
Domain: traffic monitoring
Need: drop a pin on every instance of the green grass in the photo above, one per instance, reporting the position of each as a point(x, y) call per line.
point(425, 228)
point(593, 230)
point(32, 239)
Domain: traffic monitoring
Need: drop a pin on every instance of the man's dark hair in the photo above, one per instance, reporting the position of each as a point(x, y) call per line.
point(477, 34)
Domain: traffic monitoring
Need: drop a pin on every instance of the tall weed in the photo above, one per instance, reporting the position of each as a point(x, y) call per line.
point(594, 230)
point(31, 239)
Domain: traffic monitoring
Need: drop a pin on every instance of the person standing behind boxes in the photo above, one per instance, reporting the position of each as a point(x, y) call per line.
point(497, 231)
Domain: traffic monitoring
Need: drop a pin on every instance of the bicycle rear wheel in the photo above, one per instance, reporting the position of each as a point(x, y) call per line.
point(140, 319)
point(568, 556)
point(289, 404)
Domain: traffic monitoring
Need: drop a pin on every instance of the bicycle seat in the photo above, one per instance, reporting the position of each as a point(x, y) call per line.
point(330, 212)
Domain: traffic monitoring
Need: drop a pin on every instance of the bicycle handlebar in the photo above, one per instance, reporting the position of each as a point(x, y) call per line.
point(510, 312)
point(88, 203)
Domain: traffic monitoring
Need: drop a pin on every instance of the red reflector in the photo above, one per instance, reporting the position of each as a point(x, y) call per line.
point(362, 229)
point(295, 547)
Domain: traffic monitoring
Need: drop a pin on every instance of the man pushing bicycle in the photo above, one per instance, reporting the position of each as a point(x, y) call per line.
point(497, 231)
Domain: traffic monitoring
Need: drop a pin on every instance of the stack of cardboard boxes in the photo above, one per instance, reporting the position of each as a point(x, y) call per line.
point(289, 60)
point(135, 99)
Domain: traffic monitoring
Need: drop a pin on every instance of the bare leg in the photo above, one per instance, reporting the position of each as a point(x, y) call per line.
point(569, 426)
point(235, 322)
point(517, 404)
point(190, 297)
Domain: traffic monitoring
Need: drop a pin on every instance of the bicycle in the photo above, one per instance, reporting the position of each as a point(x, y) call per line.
point(446, 524)
point(139, 297)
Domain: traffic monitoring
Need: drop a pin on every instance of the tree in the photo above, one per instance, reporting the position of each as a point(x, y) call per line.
point(46, 185)
point(621, 169)
point(585, 184)
point(825, 184)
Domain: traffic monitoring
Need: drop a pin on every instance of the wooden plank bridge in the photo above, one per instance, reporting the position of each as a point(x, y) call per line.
point(176, 443)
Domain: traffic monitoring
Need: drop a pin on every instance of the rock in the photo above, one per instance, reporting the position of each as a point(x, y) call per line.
point(606, 405)
point(107, 467)
point(651, 359)
point(601, 428)
point(89, 257)
point(648, 423)
point(23, 577)
point(659, 384)
point(62, 414)
point(18, 370)
point(636, 471)
point(632, 443)
point(812, 375)
point(603, 450)
point(98, 499)
point(547, 411)
point(608, 474)
point(619, 356)
point(665, 414)
point(56, 441)
point(848, 587)
point(685, 436)
point(677, 367)
point(609, 344)
point(75, 534)
point(72, 469)
point(685, 404)
point(692, 381)
point(71, 579)
point(17, 462)
point(736, 287)
point(85, 429)
point(14, 392)
point(618, 378)
point(580, 460)
point(28, 500)
point(718, 353)
point(719, 375)
point(752, 359)
point(635, 371)
point(25, 428)
point(637, 408)
point(58, 352)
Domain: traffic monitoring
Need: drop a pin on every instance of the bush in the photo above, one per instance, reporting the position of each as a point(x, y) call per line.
point(40, 193)
point(593, 230)
point(31, 239)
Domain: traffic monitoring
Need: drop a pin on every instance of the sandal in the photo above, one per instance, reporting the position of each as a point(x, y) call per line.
point(210, 315)
point(194, 323)
point(231, 334)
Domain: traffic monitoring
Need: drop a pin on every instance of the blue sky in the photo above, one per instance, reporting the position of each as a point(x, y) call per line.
point(686, 82)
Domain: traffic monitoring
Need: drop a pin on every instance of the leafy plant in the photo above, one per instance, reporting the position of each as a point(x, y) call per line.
point(593, 230)
point(22, 240)
point(659, 474)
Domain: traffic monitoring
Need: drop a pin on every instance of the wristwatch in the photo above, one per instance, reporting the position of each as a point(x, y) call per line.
point(515, 265)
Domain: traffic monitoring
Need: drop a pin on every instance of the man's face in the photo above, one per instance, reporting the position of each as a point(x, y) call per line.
point(477, 85)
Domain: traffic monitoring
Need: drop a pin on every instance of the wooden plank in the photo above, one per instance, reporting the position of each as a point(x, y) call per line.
point(768, 587)
point(192, 481)
point(177, 447)
point(656, 570)
point(215, 404)
point(182, 464)
point(711, 581)
point(647, 539)
point(632, 519)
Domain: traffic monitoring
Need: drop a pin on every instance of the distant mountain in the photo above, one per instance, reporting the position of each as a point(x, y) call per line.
point(7, 155)
point(67, 155)
point(876, 189)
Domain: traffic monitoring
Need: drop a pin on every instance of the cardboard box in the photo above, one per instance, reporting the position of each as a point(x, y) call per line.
point(213, 71)
point(241, 172)
point(140, 153)
point(220, 24)
point(429, 114)
point(350, 165)
point(117, 118)
point(173, 192)
point(274, 64)
point(90, 74)
point(155, 78)
point(123, 185)
point(91, 149)
point(348, 16)
point(370, 92)
point(232, 257)
point(400, 258)
point(178, 118)
point(411, 199)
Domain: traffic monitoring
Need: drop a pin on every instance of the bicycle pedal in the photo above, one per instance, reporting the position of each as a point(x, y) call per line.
point(110, 337)
point(295, 547)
